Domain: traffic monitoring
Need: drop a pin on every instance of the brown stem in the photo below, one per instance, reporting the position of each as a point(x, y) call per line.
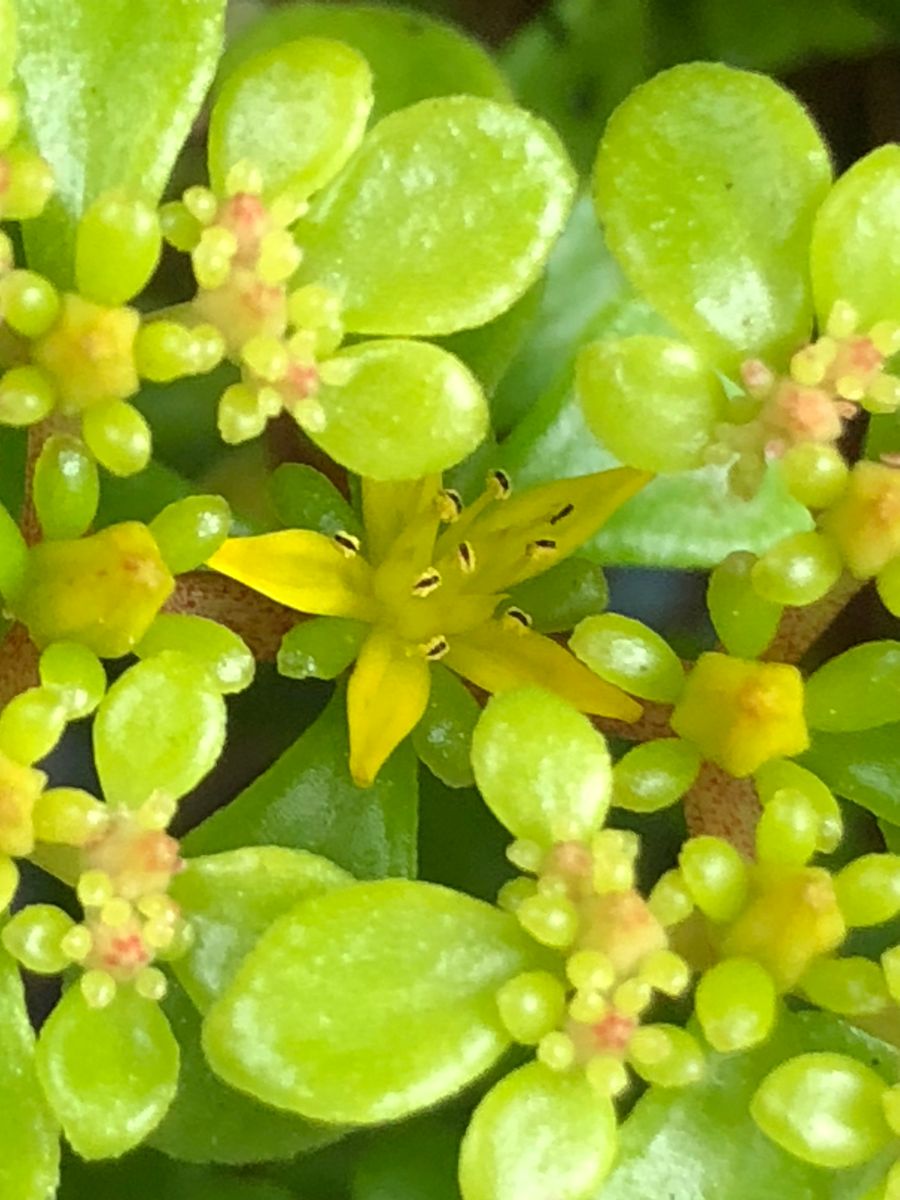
point(800, 628)
point(262, 623)
point(18, 663)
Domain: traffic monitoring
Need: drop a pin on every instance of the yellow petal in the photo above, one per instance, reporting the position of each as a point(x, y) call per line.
point(564, 514)
point(304, 570)
point(386, 698)
point(502, 654)
point(389, 509)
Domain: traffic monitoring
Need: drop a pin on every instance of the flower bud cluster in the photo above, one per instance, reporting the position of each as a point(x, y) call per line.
point(244, 256)
point(582, 902)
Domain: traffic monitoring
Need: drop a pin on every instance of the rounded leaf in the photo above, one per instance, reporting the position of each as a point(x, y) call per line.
point(652, 401)
point(707, 182)
point(538, 1133)
point(109, 1073)
point(824, 1109)
point(412, 56)
point(367, 1003)
point(65, 488)
point(443, 219)
point(443, 737)
point(859, 689)
point(232, 898)
point(224, 655)
point(629, 654)
point(405, 409)
point(160, 728)
point(542, 767)
point(297, 112)
point(856, 240)
point(29, 1140)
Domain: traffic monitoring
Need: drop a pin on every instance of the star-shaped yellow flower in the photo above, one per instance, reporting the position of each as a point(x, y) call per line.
point(430, 580)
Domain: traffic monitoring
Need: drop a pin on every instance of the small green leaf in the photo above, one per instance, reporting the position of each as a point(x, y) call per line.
point(307, 800)
point(165, 715)
point(223, 655)
point(411, 55)
point(321, 648)
point(304, 498)
point(297, 112)
point(13, 555)
point(859, 689)
point(231, 899)
point(863, 767)
point(856, 240)
point(707, 182)
point(443, 737)
point(406, 409)
point(823, 1108)
point(29, 1142)
point(561, 597)
point(652, 401)
point(109, 1074)
point(100, 110)
point(443, 219)
point(368, 1003)
point(543, 769)
point(702, 1141)
point(538, 1133)
point(209, 1122)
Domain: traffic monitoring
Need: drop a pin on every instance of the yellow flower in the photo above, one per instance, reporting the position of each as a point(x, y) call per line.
point(430, 581)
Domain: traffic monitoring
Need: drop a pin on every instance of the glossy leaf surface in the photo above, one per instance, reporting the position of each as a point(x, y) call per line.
point(98, 108)
point(707, 182)
point(451, 181)
point(109, 1074)
point(297, 112)
point(29, 1141)
point(538, 1133)
point(166, 711)
point(388, 984)
point(231, 899)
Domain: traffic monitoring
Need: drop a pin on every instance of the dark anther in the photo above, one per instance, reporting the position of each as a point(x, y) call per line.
point(466, 557)
point(565, 511)
point(427, 582)
point(347, 542)
point(516, 614)
point(437, 648)
point(500, 479)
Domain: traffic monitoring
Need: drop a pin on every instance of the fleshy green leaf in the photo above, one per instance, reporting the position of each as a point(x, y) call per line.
point(209, 1122)
point(368, 1003)
point(109, 1073)
point(406, 409)
point(824, 1108)
point(307, 800)
point(538, 1133)
point(165, 715)
point(561, 597)
point(856, 240)
point(652, 401)
point(702, 1141)
point(863, 767)
point(29, 1142)
point(297, 112)
point(443, 737)
point(417, 1160)
point(231, 899)
point(707, 182)
point(100, 109)
point(411, 55)
point(162, 1179)
point(442, 220)
point(542, 768)
point(304, 498)
point(859, 689)
point(13, 555)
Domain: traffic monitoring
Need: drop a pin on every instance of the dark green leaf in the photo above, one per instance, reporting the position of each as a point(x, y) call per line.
point(308, 801)
point(863, 767)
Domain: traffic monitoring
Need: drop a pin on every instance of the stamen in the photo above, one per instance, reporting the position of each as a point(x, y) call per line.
point(466, 556)
point(427, 582)
point(565, 511)
point(498, 483)
point(348, 542)
point(450, 505)
point(435, 649)
point(540, 548)
point(518, 617)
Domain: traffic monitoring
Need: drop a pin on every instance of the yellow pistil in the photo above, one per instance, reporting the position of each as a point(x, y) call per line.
point(430, 577)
